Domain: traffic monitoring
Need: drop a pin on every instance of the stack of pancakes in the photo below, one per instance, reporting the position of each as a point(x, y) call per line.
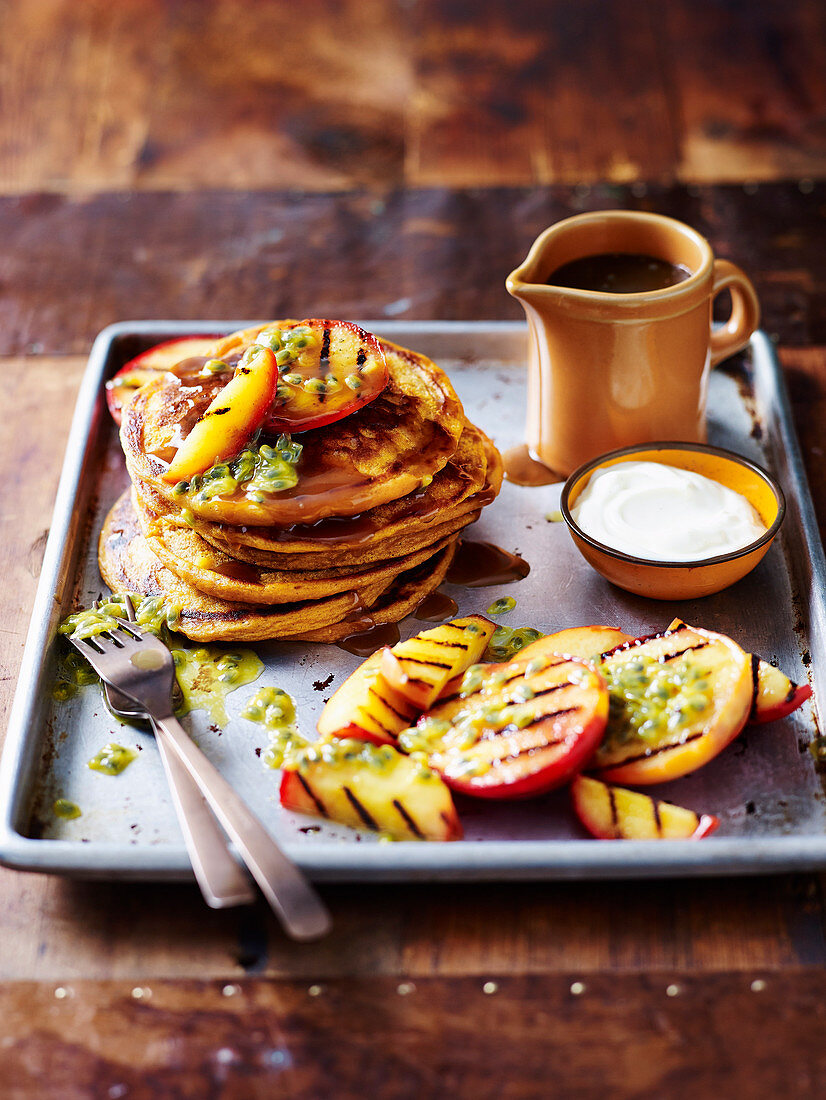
point(367, 532)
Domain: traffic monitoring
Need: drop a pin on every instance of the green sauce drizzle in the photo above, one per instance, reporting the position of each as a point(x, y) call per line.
point(262, 469)
point(112, 759)
point(208, 674)
point(152, 613)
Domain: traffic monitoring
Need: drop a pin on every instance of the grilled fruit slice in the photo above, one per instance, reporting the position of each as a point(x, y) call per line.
point(369, 787)
point(516, 729)
point(144, 367)
point(419, 668)
point(366, 699)
point(232, 417)
point(613, 813)
point(677, 699)
point(775, 695)
point(330, 369)
point(587, 642)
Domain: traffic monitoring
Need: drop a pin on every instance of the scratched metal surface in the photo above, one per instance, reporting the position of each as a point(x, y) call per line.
point(764, 788)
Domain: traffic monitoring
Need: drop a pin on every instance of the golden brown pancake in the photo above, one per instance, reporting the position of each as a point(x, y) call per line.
point(215, 573)
point(378, 453)
point(367, 532)
point(399, 600)
point(128, 565)
point(453, 500)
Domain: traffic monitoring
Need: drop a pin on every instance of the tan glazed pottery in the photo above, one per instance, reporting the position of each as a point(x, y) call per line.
point(608, 370)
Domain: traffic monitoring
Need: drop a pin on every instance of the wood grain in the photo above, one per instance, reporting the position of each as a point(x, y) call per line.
point(668, 1033)
point(150, 94)
point(72, 265)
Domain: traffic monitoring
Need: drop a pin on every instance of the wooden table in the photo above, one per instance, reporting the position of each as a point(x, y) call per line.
point(381, 160)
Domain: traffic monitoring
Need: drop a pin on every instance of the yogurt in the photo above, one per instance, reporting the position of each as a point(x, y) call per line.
point(663, 513)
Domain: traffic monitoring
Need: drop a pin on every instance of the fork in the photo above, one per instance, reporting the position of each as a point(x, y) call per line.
point(139, 666)
point(222, 881)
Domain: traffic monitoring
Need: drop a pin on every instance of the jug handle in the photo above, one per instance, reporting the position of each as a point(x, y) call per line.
point(745, 311)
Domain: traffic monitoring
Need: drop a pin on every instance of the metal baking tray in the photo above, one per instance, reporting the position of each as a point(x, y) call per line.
point(765, 787)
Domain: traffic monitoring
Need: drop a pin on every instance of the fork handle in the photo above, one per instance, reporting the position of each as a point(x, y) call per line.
point(223, 883)
point(291, 896)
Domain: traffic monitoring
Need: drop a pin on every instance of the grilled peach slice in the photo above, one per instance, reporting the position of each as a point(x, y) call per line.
point(366, 699)
point(419, 668)
point(775, 695)
point(369, 787)
point(334, 368)
point(233, 415)
point(146, 366)
point(613, 813)
point(677, 699)
point(587, 642)
point(516, 729)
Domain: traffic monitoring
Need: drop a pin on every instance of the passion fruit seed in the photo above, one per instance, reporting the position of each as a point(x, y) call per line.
point(112, 759)
point(64, 808)
point(261, 469)
point(506, 642)
point(649, 698)
point(353, 382)
point(215, 366)
point(502, 606)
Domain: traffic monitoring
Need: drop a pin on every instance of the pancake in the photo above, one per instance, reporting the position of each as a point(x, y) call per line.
point(454, 498)
point(128, 565)
point(399, 600)
point(369, 528)
point(381, 452)
point(215, 573)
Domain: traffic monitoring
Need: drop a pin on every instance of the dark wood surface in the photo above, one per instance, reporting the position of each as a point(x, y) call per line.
point(490, 1038)
point(383, 160)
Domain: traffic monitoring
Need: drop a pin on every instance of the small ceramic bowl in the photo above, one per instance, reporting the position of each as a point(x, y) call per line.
point(669, 580)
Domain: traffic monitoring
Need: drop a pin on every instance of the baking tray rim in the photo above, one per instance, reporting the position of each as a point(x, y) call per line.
point(501, 860)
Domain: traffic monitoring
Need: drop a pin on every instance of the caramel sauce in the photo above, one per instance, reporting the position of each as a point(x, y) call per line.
point(436, 607)
point(479, 564)
point(238, 571)
point(352, 530)
point(522, 468)
point(368, 641)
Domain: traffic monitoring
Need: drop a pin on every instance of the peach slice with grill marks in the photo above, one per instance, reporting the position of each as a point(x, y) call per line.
point(233, 415)
point(614, 813)
point(775, 695)
point(144, 367)
point(516, 729)
point(419, 667)
point(370, 787)
point(677, 700)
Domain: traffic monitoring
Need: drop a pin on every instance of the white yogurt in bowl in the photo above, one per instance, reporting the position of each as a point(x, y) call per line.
point(664, 513)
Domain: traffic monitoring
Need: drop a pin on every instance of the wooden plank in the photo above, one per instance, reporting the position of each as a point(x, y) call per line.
point(410, 254)
point(147, 94)
point(749, 83)
point(568, 92)
point(666, 1033)
point(144, 93)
